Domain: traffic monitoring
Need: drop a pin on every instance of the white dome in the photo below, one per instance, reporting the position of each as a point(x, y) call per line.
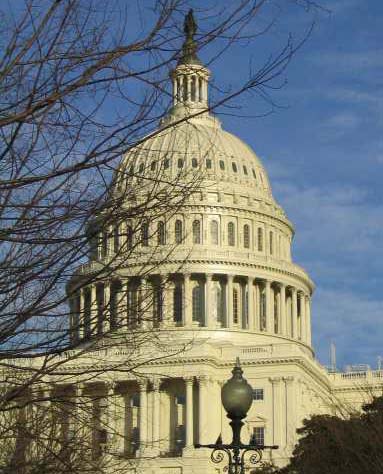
point(200, 145)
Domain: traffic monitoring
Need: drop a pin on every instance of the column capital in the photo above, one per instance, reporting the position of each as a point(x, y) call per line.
point(203, 379)
point(275, 380)
point(142, 384)
point(189, 380)
point(288, 379)
point(230, 277)
point(110, 386)
point(208, 276)
point(156, 382)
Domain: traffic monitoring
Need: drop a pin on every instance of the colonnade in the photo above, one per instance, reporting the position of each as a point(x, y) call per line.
point(148, 417)
point(192, 300)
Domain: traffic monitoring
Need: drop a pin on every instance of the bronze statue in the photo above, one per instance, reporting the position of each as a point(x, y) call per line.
point(190, 25)
point(189, 48)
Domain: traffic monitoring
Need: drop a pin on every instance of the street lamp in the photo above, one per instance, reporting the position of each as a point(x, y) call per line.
point(237, 397)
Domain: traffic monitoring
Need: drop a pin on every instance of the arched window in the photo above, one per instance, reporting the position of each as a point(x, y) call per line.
point(153, 166)
point(244, 169)
point(254, 175)
point(180, 163)
point(177, 303)
point(197, 303)
point(178, 231)
point(196, 232)
point(141, 168)
point(260, 239)
point(235, 306)
point(214, 232)
point(234, 166)
point(208, 163)
point(221, 164)
point(194, 162)
point(246, 236)
point(129, 237)
point(145, 234)
point(161, 233)
point(271, 242)
point(166, 163)
point(230, 234)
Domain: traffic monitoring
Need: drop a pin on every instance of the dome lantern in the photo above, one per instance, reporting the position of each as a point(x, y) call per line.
point(190, 77)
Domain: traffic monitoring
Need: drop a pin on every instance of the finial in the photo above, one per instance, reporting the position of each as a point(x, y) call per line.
point(189, 48)
point(237, 369)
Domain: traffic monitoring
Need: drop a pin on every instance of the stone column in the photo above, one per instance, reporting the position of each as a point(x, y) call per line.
point(257, 313)
point(145, 303)
point(208, 297)
point(93, 309)
point(294, 311)
point(168, 309)
point(203, 402)
point(143, 416)
point(282, 307)
point(229, 301)
point(156, 417)
point(303, 316)
point(106, 326)
point(308, 321)
point(81, 315)
point(250, 303)
point(290, 413)
point(73, 320)
point(110, 417)
point(187, 302)
point(276, 386)
point(269, 314)
point(189, 413)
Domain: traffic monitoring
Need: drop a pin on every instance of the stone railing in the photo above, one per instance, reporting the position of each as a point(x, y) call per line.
point(357, 377)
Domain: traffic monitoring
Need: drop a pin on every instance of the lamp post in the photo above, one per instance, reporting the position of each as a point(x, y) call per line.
point(237, 397)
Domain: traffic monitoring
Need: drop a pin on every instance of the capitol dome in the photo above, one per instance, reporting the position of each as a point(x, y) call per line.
point(206, 243)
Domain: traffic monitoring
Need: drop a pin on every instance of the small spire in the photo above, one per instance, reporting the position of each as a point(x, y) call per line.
point(189, 48)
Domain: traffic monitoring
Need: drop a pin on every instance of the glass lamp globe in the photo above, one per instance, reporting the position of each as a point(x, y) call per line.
point(237, 394)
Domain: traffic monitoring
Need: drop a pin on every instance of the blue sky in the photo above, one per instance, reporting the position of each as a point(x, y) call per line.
point(323, 149)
